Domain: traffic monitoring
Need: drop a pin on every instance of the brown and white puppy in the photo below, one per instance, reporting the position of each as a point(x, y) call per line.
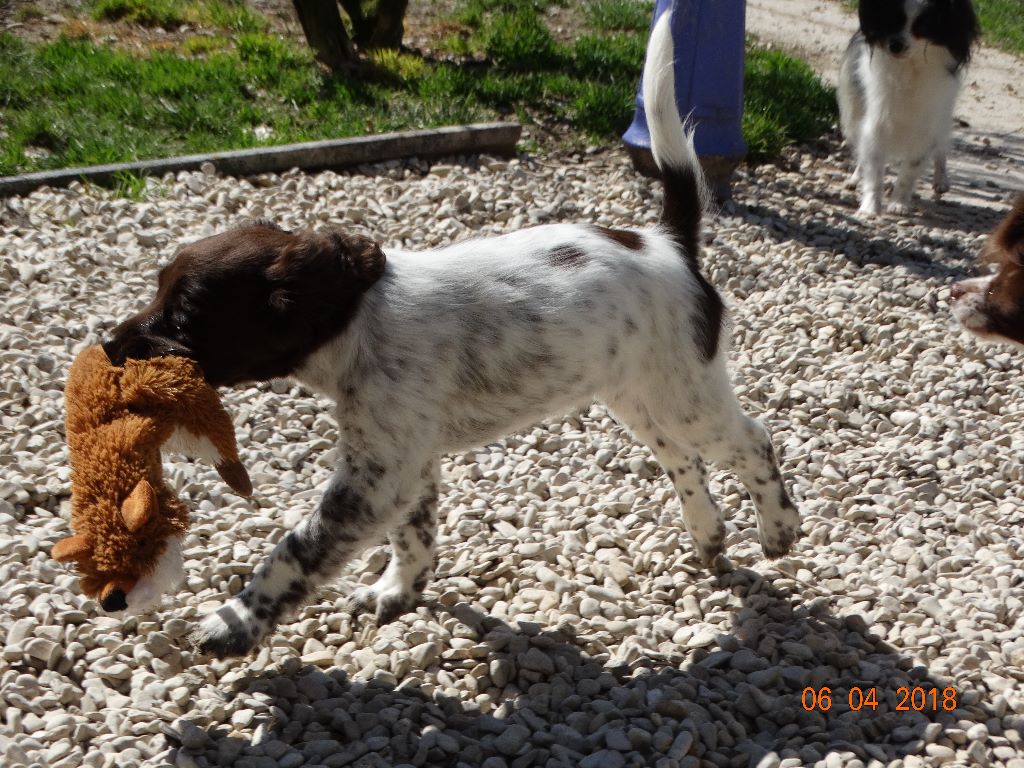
point(992, 307)
point(438, 351)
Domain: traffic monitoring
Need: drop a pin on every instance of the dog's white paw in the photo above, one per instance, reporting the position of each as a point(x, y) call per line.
point(898, 208)
point(387, 599)
point(231, 630)
point(868, 210)
point(778, 532)
point(711, 544)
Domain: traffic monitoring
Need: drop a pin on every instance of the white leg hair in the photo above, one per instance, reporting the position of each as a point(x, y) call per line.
point(401, 586)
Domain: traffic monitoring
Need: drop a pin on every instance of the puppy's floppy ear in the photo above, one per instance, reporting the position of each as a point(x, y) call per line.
point(323, 263)
point(361, 255)
point(140, 506)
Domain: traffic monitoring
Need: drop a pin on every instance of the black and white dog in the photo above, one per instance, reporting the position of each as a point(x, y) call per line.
point(898, 84)
point(442, 350)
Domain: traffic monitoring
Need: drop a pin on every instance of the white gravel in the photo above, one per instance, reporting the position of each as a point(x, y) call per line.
point(570, 623)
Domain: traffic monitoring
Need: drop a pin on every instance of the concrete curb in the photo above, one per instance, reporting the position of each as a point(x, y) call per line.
point(494, 138)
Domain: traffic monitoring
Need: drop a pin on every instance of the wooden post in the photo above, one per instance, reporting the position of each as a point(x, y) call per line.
point(377, 25)
point(325, 32)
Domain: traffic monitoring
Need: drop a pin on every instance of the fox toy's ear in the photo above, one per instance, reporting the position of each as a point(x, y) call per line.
point(140, 506)
point(71, 548)
point(234, 475)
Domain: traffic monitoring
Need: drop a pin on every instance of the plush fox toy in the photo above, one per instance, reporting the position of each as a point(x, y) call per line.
point(128, 524)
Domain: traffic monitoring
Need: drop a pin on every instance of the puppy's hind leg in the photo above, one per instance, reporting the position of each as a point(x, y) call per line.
point(742, 445)
point(684, 467)
point(400, 587)
point(940, 176)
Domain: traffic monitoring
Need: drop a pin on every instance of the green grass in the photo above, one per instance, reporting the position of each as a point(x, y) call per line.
point(784, 102)
point(1002, 23)
point(229, 15)
point(130, 185)
point(28, 12)
point(85, 103)
point(612, 15)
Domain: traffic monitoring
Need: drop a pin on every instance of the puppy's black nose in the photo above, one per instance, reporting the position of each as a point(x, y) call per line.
point(897, 45)
point(115, 601)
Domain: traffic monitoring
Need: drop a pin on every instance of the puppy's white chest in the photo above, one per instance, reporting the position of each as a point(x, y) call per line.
point(911, 99)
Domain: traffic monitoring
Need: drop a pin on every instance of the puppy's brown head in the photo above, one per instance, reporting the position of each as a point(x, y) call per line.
point(993, 307)
point(253, 303)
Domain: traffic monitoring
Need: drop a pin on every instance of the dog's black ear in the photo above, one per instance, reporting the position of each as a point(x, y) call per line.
point(360, 255)
point(880, 19)
point(951, 24)
point(328, 261)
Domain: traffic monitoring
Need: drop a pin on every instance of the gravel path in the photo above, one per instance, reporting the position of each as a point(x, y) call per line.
point(570, 623)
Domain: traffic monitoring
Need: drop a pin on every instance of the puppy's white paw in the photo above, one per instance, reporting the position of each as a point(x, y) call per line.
point(387, 597)
point(898, 208)
point(778, 531)
point(711, 544)
point(868, 210)
point(231, 630)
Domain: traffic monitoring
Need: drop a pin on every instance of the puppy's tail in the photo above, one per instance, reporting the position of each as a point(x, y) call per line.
point(672, 144)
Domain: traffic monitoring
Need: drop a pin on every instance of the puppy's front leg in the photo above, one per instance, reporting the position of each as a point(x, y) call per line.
point(355, 510)
point(401, 586)
point(910, 172)
point(872, 172)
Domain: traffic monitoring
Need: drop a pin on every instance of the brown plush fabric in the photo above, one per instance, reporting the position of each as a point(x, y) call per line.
point(117, 419)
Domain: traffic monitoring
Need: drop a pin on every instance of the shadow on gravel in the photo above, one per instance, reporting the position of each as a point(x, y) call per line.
point(861, 248)
point(728, 705)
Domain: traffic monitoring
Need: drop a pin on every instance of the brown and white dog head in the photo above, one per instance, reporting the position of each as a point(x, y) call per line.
point(252, 303)
point(992, 307)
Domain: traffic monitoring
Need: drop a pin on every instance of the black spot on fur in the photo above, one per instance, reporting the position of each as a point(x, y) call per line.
point(567, 256)
point(660, 442)
point(420, 582)
point(341, 504)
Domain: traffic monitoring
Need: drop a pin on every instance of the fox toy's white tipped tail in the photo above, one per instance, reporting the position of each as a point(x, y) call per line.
point(672, 141)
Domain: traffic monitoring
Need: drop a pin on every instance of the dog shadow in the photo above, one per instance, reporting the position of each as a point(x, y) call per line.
point(791, 677)
point(944, 256)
